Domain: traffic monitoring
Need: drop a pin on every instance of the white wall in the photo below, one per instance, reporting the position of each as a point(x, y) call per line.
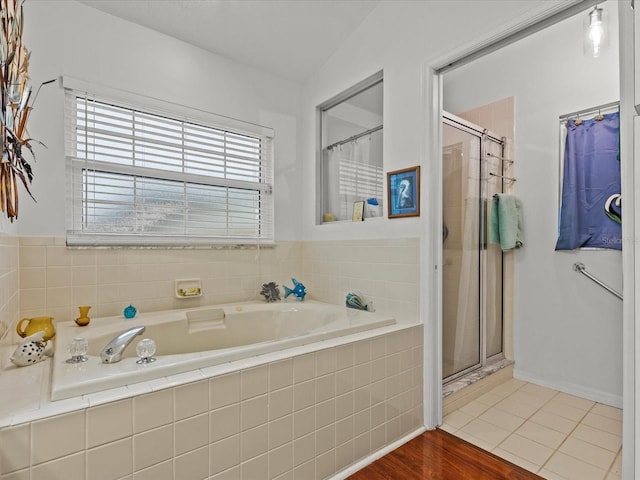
point(68, 38)
point(568, 331)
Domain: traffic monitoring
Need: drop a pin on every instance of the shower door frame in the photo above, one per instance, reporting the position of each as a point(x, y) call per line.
point(484, 136)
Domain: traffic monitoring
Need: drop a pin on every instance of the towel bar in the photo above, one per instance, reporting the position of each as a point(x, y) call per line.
point(579, 267)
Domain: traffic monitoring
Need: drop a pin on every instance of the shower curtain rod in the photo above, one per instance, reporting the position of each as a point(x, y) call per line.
point(355, 137)
point(591, 110)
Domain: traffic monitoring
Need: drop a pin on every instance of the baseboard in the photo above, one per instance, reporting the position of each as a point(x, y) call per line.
point(347, 472)
point(572, 389)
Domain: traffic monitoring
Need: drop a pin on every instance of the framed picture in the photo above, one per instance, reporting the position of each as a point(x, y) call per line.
point(358, 211)
point(403, 193)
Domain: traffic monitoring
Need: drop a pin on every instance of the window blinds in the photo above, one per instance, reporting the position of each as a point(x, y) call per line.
point(142, 178)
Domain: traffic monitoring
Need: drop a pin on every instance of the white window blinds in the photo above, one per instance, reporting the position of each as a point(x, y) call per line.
point(142, 178)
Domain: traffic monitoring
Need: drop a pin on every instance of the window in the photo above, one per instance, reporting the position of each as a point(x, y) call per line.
point(351, 167)
point(140, 177)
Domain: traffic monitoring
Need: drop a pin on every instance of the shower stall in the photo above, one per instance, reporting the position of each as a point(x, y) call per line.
point(473, 167)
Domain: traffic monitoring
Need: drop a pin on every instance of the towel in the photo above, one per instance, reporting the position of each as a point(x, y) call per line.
point(505, 225)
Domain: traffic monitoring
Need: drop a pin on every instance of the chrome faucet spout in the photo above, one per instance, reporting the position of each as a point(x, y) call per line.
point(112, 353)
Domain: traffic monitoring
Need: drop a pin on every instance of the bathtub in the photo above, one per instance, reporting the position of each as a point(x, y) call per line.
point(197, 338)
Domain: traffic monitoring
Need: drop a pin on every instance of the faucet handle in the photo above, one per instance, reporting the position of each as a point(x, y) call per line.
point(77, 348)
point(145, 350)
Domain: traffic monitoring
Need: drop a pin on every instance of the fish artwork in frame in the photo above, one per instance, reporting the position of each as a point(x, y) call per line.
point(403, 193)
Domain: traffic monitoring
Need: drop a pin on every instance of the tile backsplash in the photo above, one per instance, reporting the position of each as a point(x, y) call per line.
point(55, 279)
point(9, 283)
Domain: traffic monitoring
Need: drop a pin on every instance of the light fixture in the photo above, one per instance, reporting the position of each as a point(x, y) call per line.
point(596, 33)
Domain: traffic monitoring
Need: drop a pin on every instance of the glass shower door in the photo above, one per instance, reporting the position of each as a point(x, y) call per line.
point(472, 268)
point(461, 251)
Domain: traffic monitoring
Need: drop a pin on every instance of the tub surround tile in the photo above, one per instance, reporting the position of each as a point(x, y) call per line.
point(280, 374)
point(161, 471)
point(224, 422)
point(224, 454)
point(224, 390)
point(152, 410)
point(254, 442)
point(152, 446)
point(191, 399)
point(101, 464)
point(45, 437)
point(204, 427)
point(14, 454)
point(110, 422)
point(281, 431)
point(193, 465)
point(191, 434)
point(71, 467)
point(254, 381)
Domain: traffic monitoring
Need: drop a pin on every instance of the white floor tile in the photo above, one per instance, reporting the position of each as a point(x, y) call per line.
point(572, 468)
point(554, 434)
point(527, 449)
point(541, 434)
point(485, 431)
point(597, 437)
point(588, 453)
point(504, 420)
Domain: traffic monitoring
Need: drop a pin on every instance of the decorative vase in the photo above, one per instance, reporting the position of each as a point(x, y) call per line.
point(37, 324)
point(83, 319)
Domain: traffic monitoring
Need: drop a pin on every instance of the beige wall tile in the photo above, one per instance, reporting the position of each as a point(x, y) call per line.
point(254, 442)
point(224, 422)
point(280, 431)
point(191, 399)
point(224, 390)
point(71, 467)
point(280, 402)
point(14, 454)
point(280, 460)
point(326, 464)
point(109, 422)
point(152, 410)
point(254, 412)
point(45, 437)
point(224, 454)
point(161, 471)
point(191, 434)
point(153, 446)
point(304, 449)
point(20, 475)
point(304, 422)
point(255, 381)
point(304, 394)
point(111, 461)
point(304, 367)
point(280, 374)
point(193, 465)
point(256, 467)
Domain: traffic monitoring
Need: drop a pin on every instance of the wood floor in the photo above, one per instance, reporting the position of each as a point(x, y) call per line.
point(438, 455)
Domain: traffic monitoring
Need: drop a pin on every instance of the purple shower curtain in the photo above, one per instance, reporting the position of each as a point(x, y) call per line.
point(591, 182)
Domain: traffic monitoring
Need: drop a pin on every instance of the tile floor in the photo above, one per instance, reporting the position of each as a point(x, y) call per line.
point(556, 435)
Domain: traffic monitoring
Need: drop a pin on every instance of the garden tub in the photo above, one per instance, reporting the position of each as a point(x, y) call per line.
point(197, 338)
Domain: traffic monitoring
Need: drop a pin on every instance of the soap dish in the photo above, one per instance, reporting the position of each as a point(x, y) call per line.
point(188, 288)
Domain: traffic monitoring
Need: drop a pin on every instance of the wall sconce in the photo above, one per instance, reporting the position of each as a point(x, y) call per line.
point(596, 32)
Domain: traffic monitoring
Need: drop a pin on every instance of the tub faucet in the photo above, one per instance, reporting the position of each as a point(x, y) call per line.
point(112, 353)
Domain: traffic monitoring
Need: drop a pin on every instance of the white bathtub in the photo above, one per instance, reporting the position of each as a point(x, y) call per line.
point(192, 339)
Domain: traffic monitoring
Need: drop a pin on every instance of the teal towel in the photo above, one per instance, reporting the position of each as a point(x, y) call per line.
point(505, 225)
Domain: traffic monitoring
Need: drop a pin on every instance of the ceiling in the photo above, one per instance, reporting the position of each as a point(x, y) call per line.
point(291, 38)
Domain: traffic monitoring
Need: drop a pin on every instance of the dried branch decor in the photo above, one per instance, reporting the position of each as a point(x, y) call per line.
point(16, 95)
